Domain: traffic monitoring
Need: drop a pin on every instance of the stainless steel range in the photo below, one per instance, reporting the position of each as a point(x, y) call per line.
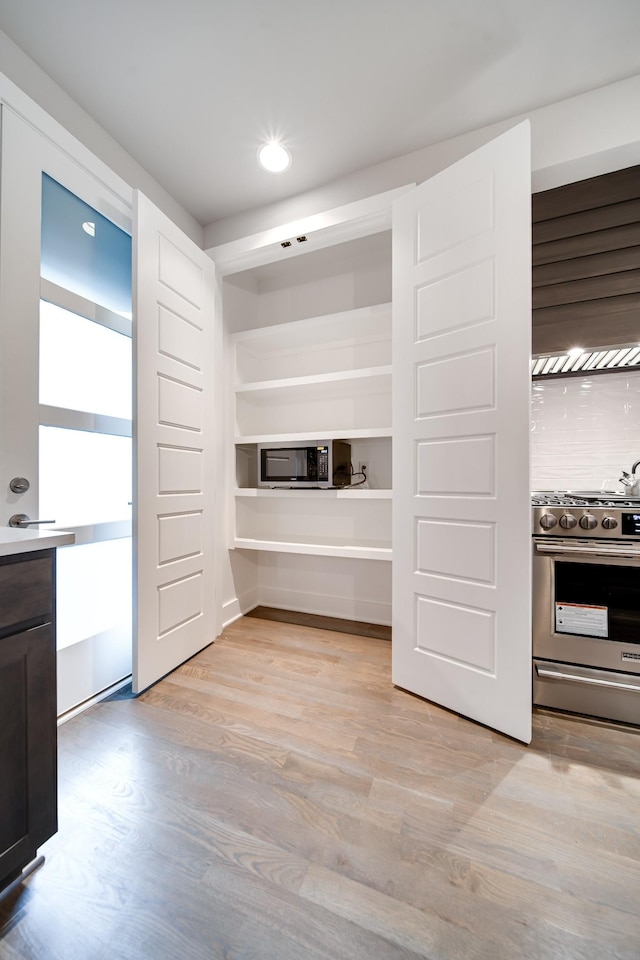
point(586, 603)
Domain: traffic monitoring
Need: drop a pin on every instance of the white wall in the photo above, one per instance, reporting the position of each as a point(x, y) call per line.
point(329, 586)
point(584, 431)
point(343, 277)
point(583, 136)
point(22, 76)
point(240, 584)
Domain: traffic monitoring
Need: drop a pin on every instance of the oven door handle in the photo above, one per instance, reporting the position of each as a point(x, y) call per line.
point(599, 551)
point(611, 684)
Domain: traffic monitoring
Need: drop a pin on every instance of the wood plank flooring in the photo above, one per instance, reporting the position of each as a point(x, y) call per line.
point(276, 797)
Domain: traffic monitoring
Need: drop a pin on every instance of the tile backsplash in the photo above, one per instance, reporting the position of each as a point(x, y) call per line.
point(584, 431)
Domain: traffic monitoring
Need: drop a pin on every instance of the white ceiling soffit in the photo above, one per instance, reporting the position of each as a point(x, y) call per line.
point(348, 222)
point(585, 362)
point(190, 90)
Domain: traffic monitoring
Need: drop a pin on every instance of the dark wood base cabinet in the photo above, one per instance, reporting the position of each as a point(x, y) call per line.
point(28, 733)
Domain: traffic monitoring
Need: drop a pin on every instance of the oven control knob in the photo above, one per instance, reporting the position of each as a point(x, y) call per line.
point(547, 520)
point(567, 521)
point(609, 523)
point(588, 522)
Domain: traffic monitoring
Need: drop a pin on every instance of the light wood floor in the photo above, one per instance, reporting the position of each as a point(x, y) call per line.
point(276, 797)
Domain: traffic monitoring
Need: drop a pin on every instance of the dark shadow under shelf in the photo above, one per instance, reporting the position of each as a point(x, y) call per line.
point(374, 630)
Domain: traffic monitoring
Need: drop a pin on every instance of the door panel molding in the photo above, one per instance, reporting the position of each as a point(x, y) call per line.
point(175, 611)
point(461, 395)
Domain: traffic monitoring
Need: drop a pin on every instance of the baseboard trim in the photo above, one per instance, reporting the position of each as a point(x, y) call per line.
point(231, 611)
point(375, 631)
point(325, 605)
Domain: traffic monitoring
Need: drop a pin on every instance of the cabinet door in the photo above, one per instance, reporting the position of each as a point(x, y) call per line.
point(28, 754)
point(461, 350)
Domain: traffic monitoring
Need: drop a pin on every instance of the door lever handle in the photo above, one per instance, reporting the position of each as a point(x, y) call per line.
point(22, 520)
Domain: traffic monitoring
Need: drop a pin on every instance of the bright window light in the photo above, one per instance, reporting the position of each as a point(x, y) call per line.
point(94, 590)
point(274, 157)
point(85, 478)
point(83, 365)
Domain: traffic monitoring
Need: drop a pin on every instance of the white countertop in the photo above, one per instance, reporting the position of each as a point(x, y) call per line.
point(18, 540)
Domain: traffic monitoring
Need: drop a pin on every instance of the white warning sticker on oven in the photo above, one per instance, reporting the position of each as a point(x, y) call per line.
point(584, 619)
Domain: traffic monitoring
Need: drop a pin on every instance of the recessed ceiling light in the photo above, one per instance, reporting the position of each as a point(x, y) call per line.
point(274, 157)
point(89, 227)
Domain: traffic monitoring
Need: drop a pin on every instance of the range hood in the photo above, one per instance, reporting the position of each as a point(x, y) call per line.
point(579, 362)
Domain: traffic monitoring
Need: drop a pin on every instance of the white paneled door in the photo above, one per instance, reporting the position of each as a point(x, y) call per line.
point(461, 349)
point(174, 529)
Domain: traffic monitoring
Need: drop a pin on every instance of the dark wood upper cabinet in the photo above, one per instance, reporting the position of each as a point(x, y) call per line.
point(586, 263)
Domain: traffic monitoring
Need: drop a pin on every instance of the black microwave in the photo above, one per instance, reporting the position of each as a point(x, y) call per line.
point(309, 463)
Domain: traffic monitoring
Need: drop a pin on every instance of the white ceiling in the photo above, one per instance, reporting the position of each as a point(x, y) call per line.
point(191, 87)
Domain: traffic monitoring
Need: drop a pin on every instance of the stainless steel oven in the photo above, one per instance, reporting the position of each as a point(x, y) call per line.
point(586, 606)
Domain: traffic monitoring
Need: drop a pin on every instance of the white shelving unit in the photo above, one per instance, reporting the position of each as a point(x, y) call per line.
point(324, 378)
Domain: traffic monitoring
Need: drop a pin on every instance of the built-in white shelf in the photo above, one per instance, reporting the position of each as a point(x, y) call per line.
point(374, 550)
point(284, 493)
point(341, 342)
point(343, 381)
point(322, 378)
point(362, 433)
point(352, 402)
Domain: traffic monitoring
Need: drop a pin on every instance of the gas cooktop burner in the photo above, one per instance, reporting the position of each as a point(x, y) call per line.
point(557, 498)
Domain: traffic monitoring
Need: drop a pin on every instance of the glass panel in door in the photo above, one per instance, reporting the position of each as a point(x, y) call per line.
point(83, 251)
point(85, 478)
point(101, 382)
